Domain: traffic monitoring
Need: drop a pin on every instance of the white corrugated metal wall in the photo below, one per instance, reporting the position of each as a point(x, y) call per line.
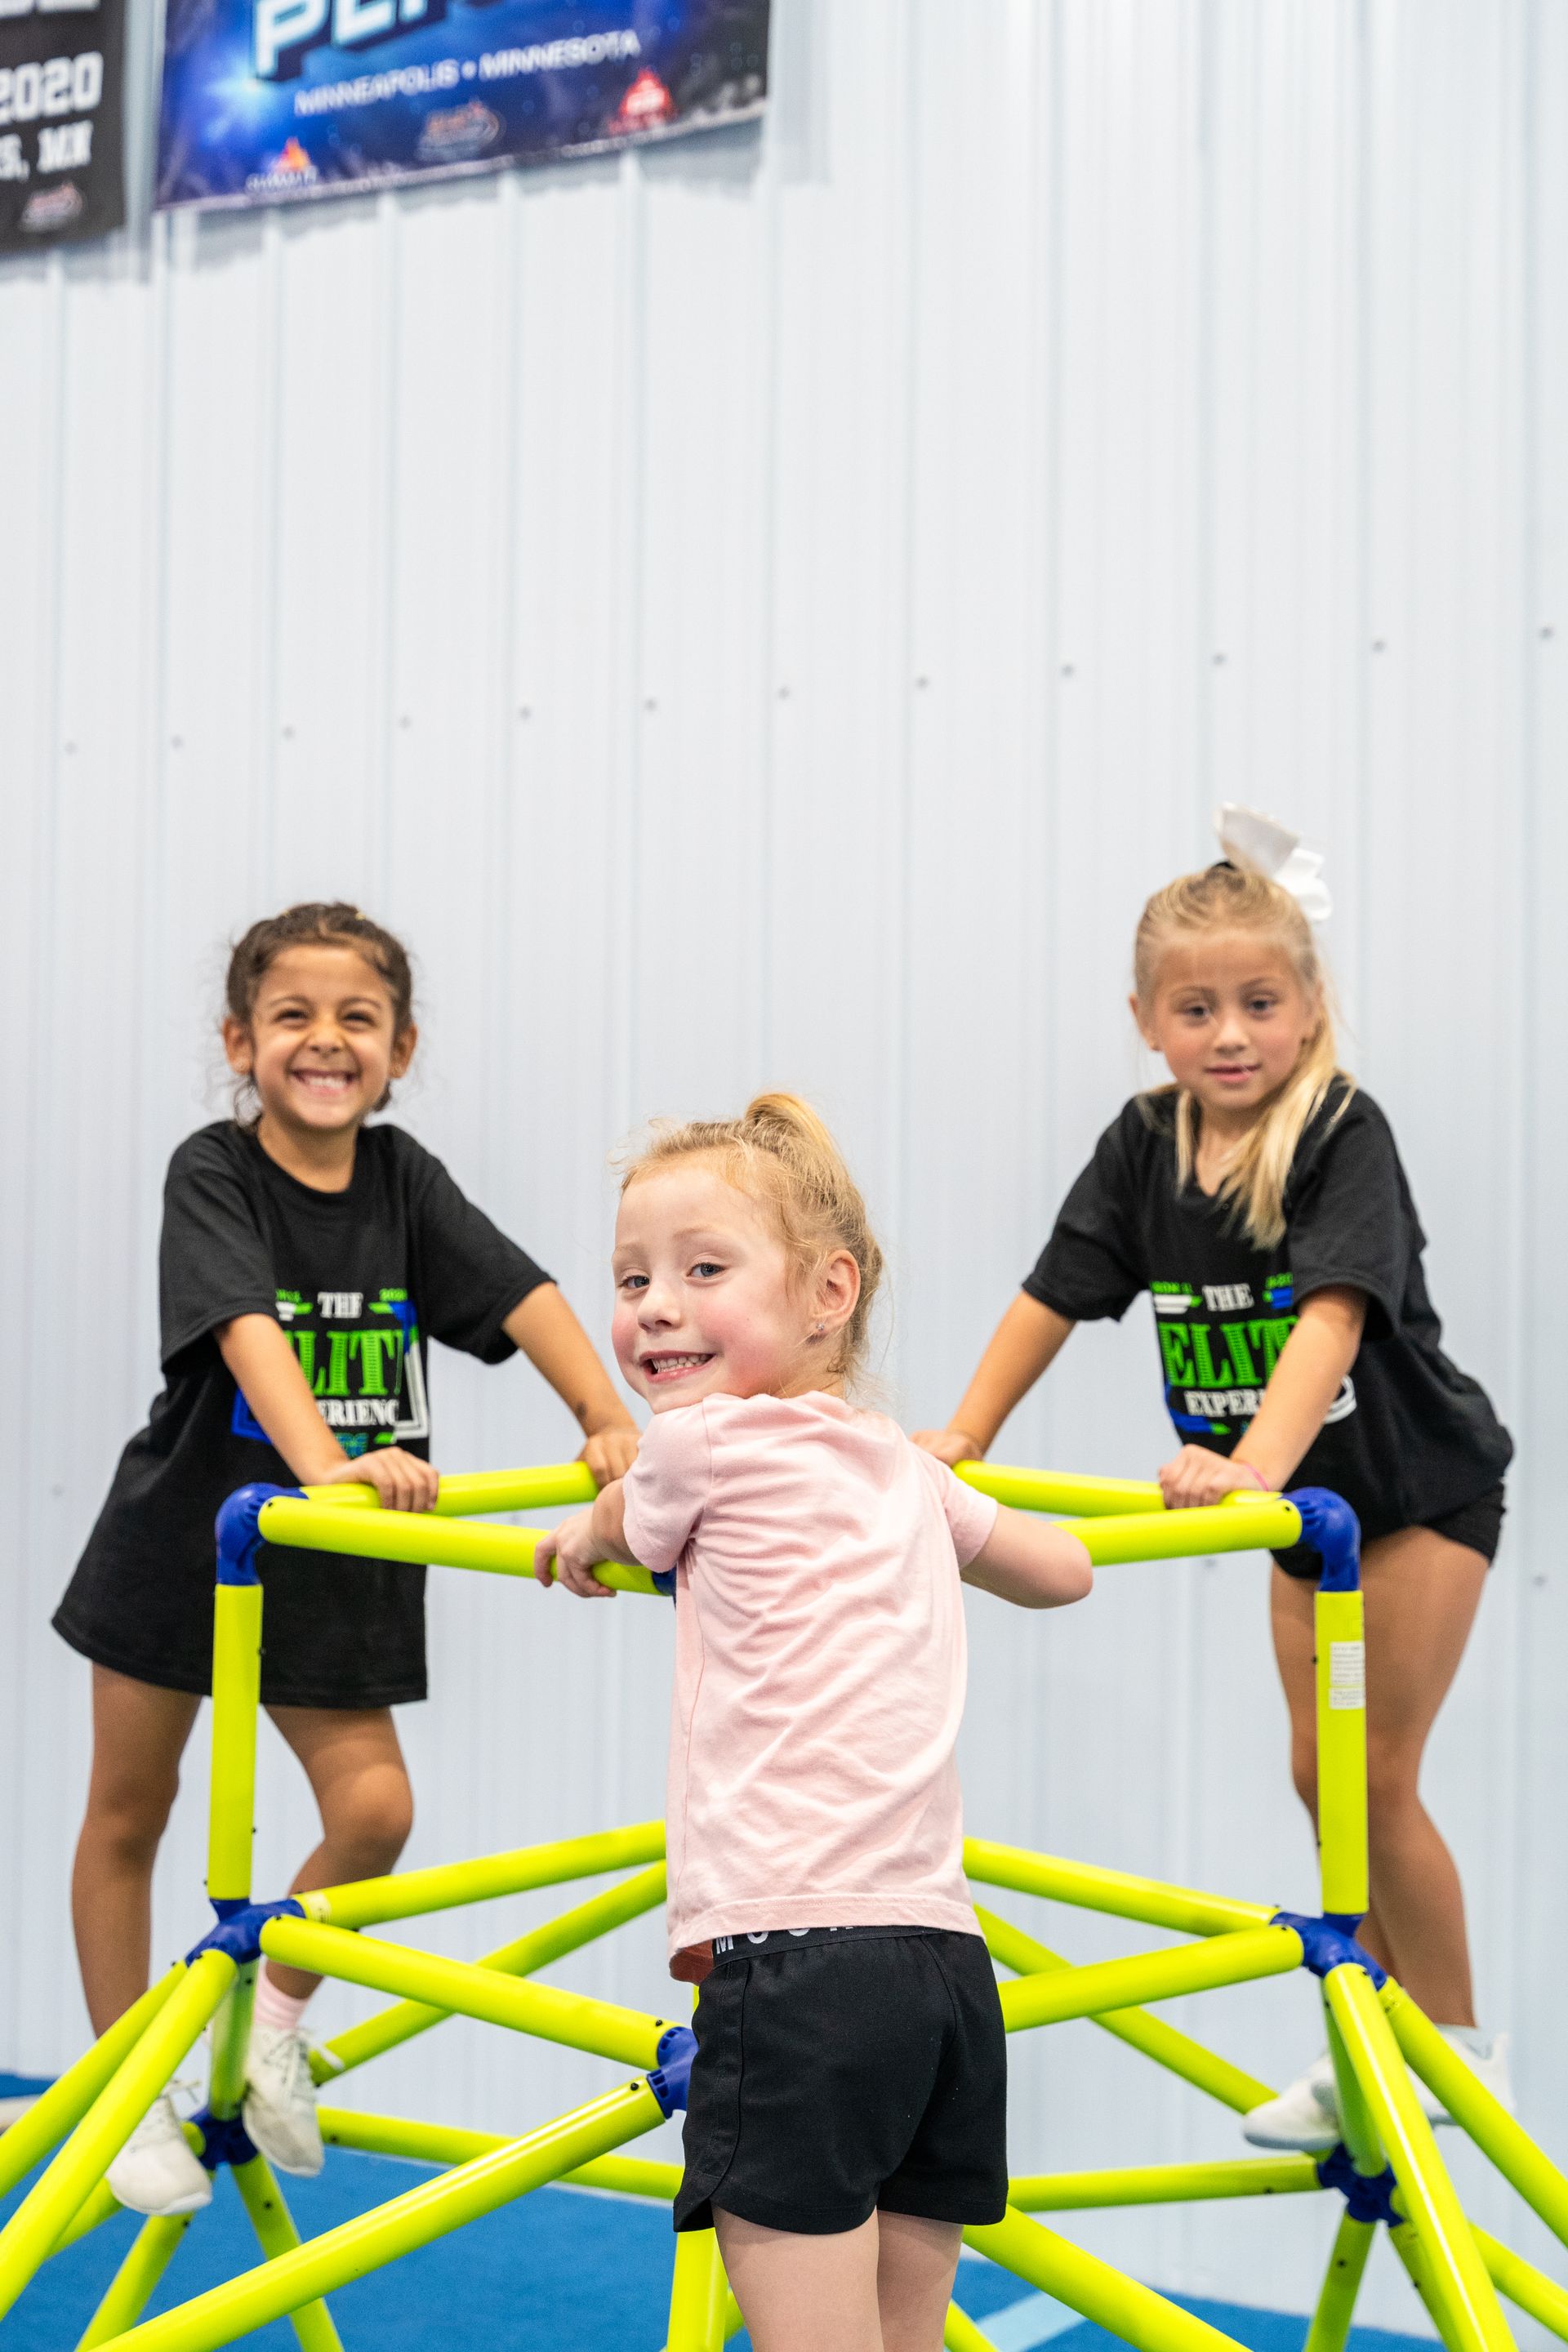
point(767, 611)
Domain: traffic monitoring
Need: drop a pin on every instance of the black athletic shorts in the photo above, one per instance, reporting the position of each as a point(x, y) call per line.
point(1478, 1526)
point(841, 2069)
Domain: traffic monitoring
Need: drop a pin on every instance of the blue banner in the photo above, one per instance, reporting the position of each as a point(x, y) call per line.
point(268, 102)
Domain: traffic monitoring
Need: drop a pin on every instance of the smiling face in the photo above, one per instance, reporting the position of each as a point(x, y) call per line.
point(320, 1045)
point(709, 1300)
point(1230, 1014)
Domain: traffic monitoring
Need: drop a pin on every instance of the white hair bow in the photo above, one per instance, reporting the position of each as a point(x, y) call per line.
point(1264, 845)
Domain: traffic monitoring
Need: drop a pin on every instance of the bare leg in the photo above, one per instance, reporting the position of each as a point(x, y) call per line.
point(796, 2290)
point(916, 2260)
point(883, 2287)
point(1422, 1592)
point(139, 1734)
point(356, 1771)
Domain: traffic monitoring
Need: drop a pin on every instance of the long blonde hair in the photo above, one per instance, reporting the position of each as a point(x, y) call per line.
point(780, 1152)
point(1232, 897)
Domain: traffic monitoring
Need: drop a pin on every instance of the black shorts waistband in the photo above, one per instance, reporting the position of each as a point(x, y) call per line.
point(750, 1946)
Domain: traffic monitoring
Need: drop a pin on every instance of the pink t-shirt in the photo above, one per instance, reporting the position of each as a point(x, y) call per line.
point(819, 1664)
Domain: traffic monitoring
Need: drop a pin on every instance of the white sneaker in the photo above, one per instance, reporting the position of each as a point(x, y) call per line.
point(280, 2101)
point(157, 2170)
point(1305, 2115)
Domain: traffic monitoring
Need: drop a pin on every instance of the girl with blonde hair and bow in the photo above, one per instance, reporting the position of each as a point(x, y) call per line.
point(1259, 1199)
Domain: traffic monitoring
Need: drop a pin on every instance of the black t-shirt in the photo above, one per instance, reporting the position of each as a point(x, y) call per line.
point(361, 1281)
point(1409, 1437)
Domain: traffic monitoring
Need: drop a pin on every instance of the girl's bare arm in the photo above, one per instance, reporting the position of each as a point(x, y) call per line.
point(1031, 1562)
point(1304, 1384)
point(544, 1327)
point(1024, 1343)
point(267, 1370)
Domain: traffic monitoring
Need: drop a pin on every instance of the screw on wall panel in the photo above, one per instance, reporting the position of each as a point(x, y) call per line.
point(525, 709)
point(405, 720)
point(67, 749)
point(1379, 645)
point(288, 734)
point(1219, 661)
point(176, 742)
point(650, 702)
point(923, 679)
point(1547, 630)
point(784, 694)
point(1067, 669)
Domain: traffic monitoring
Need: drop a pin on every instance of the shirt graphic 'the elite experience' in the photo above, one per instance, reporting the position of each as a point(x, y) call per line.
point(363, 1363)
point(1219, 1345)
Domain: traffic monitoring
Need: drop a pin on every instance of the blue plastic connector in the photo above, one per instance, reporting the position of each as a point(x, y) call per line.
point(664, 1581)
point(1333, 1531)
point(222, 2142)
point(1366, 2200)
point(1329, 1943)
point(238, 1929)
point(239, 1534)
point(670, 2081)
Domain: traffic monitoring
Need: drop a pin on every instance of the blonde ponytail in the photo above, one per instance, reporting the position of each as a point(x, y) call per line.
point(1231, 897)
point(781, 1151)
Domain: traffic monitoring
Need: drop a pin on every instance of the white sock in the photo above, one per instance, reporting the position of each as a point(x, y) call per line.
point(276, 2008)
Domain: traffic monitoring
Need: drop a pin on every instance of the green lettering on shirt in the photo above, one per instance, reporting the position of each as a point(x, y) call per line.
point(1174, 1348)
point(304, 1346)
point(1240, 1355)
point(372, 1348)
point(337, 1382)
point(1210, 1375)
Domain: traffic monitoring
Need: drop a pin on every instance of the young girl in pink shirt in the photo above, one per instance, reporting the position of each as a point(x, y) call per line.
point(848, 2100)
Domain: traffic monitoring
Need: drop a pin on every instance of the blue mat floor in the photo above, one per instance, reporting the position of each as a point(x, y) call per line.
point(562, 2270)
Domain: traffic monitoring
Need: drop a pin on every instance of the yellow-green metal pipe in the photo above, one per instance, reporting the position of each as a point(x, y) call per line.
point(415, 2219)
point(473, 1491)
point(143, 2074)
point(1061, 1492)
point(408, 1894)
point(1257, 1525)
point(1149, 1975)
point(1161, 2184)
point(276, 2234)
point(1135, 2312)
point(1413, 2254)
point(100, 2206)
point(236, 1692)
point(626, 2036)
point(62, 2106)
point(1497, 2133)
point(631, 2175)
point(1522, 2283)
point(1358, 2129)
point(231, 2046)
point(1340, 1635)
point(1124, 1896)
point(1470, 2318)
point(420, 1538)
point(1176, 2052)
point(1331, 2325)
point(959, 2333)
point(520, 1958)
point(698, 2294)
point(736, 2319)
point(130, 2289)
